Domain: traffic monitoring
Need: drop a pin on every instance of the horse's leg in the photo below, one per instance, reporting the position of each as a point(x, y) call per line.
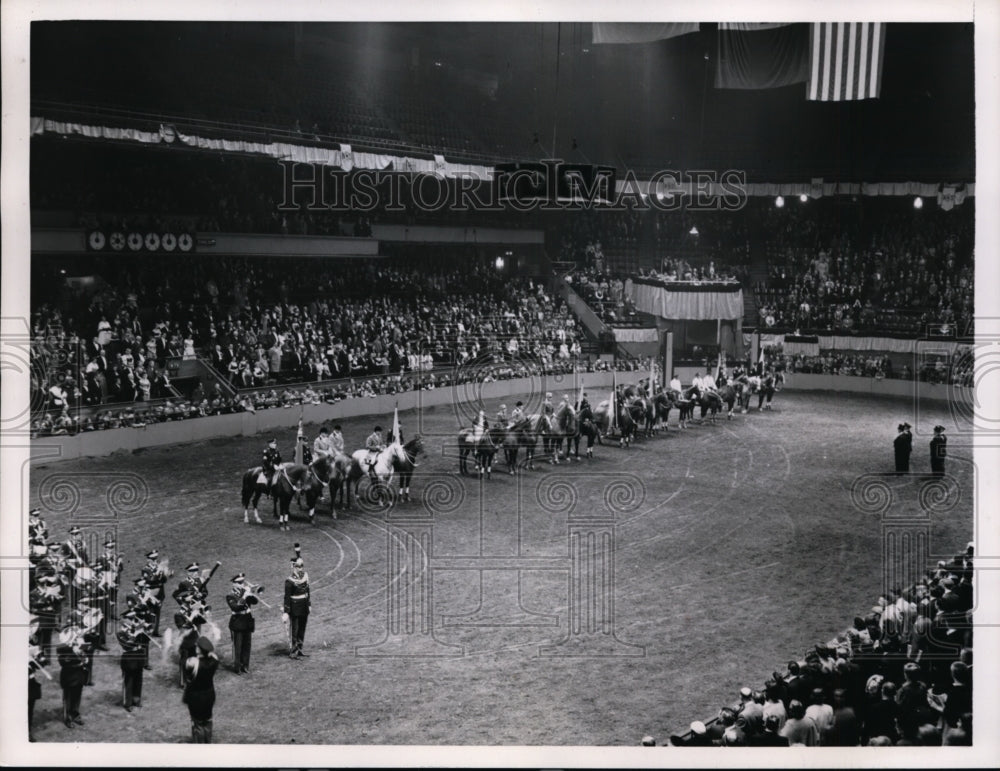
point(256, 499)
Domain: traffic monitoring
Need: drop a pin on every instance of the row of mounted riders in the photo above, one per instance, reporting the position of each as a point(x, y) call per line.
point(553, 433)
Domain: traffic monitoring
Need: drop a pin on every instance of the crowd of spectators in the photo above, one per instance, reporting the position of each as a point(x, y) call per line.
point(886, 268)
point(900, 675)
point(951, 369)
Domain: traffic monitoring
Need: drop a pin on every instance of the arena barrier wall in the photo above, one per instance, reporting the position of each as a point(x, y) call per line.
point(462, 399)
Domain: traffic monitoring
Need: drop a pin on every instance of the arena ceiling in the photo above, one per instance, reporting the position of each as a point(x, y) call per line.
point(643, 106)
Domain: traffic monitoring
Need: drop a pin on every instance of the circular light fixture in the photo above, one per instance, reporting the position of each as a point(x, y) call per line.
point(803, 197)
point(918, 203)
point(499, 263)
point(779, 201)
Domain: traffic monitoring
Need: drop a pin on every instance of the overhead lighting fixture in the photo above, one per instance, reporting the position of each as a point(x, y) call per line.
point(779, 201)
point(918, 203)
point(694, 230)
point(499, 263)
point(803, 197)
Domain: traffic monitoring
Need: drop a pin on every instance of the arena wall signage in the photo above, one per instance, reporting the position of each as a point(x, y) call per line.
point(136, 241)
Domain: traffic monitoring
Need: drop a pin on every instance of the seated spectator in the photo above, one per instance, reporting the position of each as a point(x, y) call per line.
point(798, 728)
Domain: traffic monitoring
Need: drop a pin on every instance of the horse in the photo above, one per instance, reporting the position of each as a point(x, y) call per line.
point(295, 478)
point(405, 467)
point(711, 404)
point(751, 385)
point(663, 402)
point(768, 387)
point(348, 475)
point(644, 414)
point(482, 445)
point(384, 469)
point(626, 422)
point(522, 434)
point(565, 426)
point(254, 486)
point(730, 395)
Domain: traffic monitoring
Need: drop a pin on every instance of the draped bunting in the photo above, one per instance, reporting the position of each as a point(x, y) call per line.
point(640, 32)
point(655, 298)
point(348, 159)
point(632, 335)
point(343, 158)
point(768, 56)
point(794, 346)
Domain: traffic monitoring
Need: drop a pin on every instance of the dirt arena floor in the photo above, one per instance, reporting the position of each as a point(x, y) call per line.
point(733, 548)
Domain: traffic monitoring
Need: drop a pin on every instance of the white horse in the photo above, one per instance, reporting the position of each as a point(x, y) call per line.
point(385, 465)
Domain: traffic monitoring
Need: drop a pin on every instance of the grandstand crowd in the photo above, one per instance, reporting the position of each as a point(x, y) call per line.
point(900, 675)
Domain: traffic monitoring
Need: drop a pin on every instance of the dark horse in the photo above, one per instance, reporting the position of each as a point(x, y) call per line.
point(565, 426)
point(524, 435)
point(626, 422)
point(482, 449)
point(730, 394)
point(768, 387)
point(293, 479)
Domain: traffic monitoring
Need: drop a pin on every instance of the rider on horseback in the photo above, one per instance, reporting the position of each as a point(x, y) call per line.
point(517, 414)
point(322, 446)
point(675, 385)
point(547, 409)
point(374, 444)
point(337, 441)
point(583, 409)
point(502, 415)
point(272, 460)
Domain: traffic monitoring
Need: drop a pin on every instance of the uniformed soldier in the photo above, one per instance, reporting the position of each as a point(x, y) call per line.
point(374, 444)
point(38, 531)
point(939, 450)
point(109, 567)
point(241, 600)
point(134, 641)
point(37, 660)
point(271, 461)
point(199, 692)
point(45, 602)
point(296, 607)
point(72, 655)
point(192, 587)
point(155, 573)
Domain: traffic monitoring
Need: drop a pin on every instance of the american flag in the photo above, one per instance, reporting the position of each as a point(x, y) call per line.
point(845, 61)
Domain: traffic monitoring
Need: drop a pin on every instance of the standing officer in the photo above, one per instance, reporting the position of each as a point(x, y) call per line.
point(902, 445)
point(72, 655)
point(199, 692)
point(296, 607)
point(132, 638)
point(155, 573)
point(938, 451)
point(241, 623)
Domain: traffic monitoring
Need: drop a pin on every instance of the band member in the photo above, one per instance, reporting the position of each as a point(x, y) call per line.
point(199, 692)
point(193, 586)
point(271, 462)
point(109, 569)
point(75, 550)
point(188, 620)
point(155, 573)
point(902, 446)
point(72, 655)
point(134, 640)
point(38, 531)
point(939, 451)
point(37, 660)
point(241, 600)
point(517, 414)
point(45, 602)
point(374, 444)
point(296, 607)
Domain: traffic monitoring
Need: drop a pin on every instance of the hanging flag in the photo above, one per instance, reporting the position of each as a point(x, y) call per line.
point(613, 403)
point(718, 368)
point(299, 438)
point(845, 61)
point(579, 401)
point(760, 362)
point(652, 376)
point(395, 425)
point(764, 55)
point(640, 32)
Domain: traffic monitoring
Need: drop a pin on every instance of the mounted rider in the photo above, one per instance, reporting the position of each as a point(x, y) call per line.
point(337, 440)
point(271, 461)
point(584, 411)
point(676, 387)
point(517, 414)
point(502, 419)
point(374, 444)
point(322, 445)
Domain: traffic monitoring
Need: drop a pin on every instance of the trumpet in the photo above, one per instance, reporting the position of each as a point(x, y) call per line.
point(255, 591)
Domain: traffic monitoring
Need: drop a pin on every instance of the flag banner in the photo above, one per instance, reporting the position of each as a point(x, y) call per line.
point(718, 368)
point(395, 425)
point(816, 187)
point(613, 404)
point(948, 197)
point(579, 401)
point(769, 57)
point(652, 376)
point(751, 26)
point(845, 61)
point(299, 436)
point(640, 32)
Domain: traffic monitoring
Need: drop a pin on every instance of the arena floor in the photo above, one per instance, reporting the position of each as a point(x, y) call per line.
point(736, 547)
